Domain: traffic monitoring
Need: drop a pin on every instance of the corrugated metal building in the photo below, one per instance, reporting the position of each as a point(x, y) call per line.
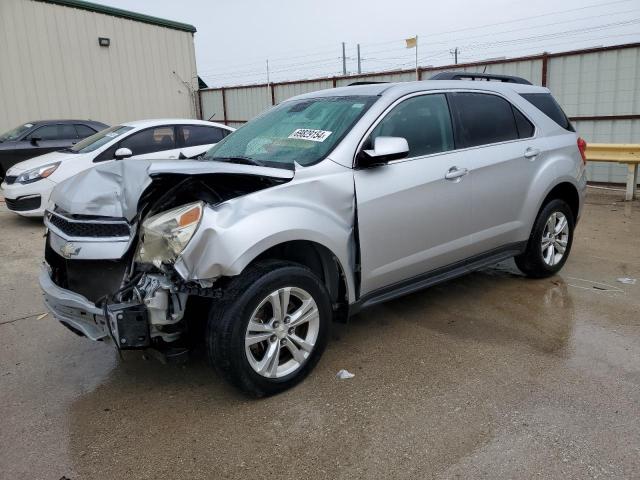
point(53, 66)
point(599, 88)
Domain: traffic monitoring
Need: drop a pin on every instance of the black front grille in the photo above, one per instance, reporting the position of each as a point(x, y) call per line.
point(93, 279)
point(10, 179)
point(23, 204)
point(89, 229)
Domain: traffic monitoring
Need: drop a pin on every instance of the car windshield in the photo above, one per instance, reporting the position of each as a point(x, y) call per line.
point(15, 133)
point(101, 138)
point(302, 131)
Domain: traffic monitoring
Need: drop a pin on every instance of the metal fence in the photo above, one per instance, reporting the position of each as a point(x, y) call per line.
point(599, 88)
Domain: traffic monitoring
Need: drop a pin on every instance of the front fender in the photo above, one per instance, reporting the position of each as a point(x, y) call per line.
point(231, 235)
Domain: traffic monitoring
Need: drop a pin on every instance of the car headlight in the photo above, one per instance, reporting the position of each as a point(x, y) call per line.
point(165, 236)
point(36, 174)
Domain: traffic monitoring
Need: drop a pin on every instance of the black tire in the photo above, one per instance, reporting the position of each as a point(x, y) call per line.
point(531, 262)
point(229, 319)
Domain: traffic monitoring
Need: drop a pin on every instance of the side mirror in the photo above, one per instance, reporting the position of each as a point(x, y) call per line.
point(385, 149)
point(35, 140)
point(122, 153)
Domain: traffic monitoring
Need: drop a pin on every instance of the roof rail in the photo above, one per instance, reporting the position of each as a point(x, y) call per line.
point(364, 83)
point(479, 76)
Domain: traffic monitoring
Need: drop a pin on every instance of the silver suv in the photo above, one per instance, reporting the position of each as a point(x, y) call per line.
point(328, 203)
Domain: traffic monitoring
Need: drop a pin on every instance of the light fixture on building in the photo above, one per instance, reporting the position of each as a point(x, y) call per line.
point(104, 41)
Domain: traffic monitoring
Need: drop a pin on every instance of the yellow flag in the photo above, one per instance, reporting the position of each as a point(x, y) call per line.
point(412, 42)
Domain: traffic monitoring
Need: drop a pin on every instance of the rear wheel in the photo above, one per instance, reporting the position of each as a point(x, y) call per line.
point(270, 329)
point(550, 241)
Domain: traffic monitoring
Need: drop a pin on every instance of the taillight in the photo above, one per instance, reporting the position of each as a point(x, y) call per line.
point(582, 146)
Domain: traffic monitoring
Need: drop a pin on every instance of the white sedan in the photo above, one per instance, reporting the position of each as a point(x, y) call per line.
point(27, 185)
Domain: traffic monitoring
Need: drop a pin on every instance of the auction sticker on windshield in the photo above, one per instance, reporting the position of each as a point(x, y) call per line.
point(310, 134)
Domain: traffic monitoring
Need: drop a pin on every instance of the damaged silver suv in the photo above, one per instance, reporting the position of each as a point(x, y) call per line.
point(328, 203)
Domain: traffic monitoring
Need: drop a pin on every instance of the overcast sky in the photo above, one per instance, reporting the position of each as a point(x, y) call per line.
point(302, 38)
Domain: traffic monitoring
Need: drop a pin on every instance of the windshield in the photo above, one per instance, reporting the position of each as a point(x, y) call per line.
point(101, 138)
point(302, 131)
point(15, 133)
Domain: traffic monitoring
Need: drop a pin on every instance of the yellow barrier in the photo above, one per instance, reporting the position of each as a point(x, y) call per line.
point(627, 153)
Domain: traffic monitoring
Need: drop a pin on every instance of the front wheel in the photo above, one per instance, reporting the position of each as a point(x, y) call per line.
point(270, 329)
point(550, 241)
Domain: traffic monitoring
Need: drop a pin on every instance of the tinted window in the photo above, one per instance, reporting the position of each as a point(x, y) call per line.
point(193, 135)
point(84, 131)
point(67, 131)
point(525, 127)
point(547, 105)
point(482, 119)
point(423, 121)
point(150, 140)
point(48, 132)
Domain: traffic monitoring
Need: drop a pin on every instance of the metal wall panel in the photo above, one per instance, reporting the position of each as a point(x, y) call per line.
point(288, 90)
point(53, 67)
point(212, 106)
point(601, 83)
point(246, 103)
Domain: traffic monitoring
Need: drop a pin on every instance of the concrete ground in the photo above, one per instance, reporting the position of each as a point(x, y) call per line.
point(489, 376)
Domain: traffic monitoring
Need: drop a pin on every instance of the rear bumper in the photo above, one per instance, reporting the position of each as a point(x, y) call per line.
point(73, 310)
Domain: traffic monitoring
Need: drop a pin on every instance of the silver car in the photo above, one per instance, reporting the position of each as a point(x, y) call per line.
point(328, 203)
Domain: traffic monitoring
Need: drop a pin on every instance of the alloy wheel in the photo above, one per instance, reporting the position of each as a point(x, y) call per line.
point(555, 238)
point(282, 332)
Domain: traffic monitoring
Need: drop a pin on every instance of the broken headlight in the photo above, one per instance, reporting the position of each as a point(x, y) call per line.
point(164, 236)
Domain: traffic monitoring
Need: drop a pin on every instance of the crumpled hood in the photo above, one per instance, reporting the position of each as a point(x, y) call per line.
point(113, 189)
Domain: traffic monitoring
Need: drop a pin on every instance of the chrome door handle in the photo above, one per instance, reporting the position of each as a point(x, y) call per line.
point(531, 152)
point(455, 173)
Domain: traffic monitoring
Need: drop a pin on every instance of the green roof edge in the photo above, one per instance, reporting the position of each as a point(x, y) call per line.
point(118, 12)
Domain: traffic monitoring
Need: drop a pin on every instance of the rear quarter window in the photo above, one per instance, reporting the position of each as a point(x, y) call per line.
point(548, 105)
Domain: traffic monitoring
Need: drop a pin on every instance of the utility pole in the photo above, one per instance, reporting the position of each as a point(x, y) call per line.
point(417, 72)
point(454, 52)
point(344, 60)
point(359, 62)
point(267, 71)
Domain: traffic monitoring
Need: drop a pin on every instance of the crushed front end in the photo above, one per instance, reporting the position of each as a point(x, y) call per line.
point(94, 286)
point(115, 267)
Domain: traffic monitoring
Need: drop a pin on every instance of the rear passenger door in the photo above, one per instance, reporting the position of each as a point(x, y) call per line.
point(500, 145)
point(194, 140)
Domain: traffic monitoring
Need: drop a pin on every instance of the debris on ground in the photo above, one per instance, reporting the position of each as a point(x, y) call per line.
point(41, 316)
point(627, 280)
point(345, 375)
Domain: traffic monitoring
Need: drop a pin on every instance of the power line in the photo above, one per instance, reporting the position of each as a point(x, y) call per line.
point(431, 34)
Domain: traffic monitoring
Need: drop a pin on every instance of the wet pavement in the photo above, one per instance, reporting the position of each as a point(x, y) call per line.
point(489, 376)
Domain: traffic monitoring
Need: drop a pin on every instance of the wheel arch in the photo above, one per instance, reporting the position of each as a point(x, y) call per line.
point(566, 191)
point(321, 261)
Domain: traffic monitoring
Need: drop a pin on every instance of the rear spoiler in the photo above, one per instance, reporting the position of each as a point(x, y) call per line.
point(479, 76)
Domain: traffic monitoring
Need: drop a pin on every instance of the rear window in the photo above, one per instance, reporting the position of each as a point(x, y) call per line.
point(548, 105)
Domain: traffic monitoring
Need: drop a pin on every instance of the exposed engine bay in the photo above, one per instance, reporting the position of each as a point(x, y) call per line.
point(142, 296)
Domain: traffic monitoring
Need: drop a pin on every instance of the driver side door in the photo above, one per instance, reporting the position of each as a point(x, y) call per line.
point(411, 218)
